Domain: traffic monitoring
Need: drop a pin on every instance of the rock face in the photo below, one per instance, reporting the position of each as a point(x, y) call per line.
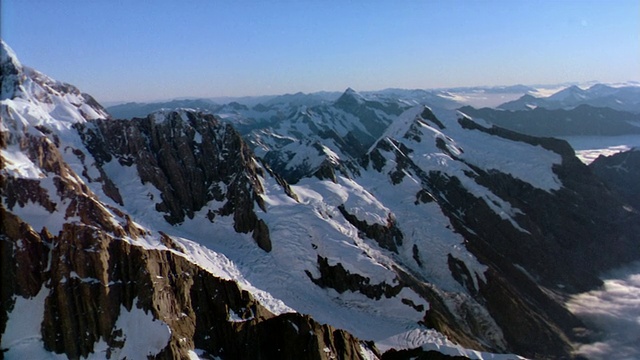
point(90, 278)
point(576, 236)
point(191, 158)
point(621, 173)
point(387, 236)
point(558, 236)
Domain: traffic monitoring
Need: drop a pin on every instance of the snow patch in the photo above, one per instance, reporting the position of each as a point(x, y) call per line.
point(17, 164)
point(143, 335)
point(235, 317)
point(22, 337)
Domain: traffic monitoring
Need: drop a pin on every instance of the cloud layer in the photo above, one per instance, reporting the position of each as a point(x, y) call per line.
point(615, 311)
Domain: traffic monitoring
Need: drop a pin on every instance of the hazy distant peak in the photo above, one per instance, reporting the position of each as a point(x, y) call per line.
point(601, 90)
point(571, 92)
point(350, 96)
point(528, 97)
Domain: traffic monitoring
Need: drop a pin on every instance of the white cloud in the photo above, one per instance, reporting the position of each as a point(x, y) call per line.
point(615, 311)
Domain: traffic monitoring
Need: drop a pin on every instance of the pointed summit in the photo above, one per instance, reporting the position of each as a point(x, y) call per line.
point(10, 68)
point(7, 54)
point(350, 91)
point(350, 97)
point(60, 105)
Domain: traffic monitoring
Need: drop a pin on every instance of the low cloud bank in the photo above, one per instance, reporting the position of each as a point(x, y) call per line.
point(615, 310)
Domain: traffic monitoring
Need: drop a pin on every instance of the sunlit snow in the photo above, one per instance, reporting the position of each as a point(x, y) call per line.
point(22, 336)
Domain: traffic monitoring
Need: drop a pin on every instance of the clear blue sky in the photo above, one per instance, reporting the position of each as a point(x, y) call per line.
point(145, 50)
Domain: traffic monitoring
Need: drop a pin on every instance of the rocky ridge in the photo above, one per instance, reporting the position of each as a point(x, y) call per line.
point(583, 120)
point(621, 173)
point(89, 278)
point(191, 158)
point(560, 250)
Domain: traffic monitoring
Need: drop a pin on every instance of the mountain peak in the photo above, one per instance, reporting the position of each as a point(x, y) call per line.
point(350, 97)
point(7, 54)
point(572, 92)
point(11, 68)
point(162, 115)
point(60, 104)
point(601, 90)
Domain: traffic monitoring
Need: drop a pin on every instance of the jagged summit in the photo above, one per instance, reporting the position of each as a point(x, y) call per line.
point(167, 114)
point(36, 104)
point(350, 97)
point(10, 68)
point(350, 91)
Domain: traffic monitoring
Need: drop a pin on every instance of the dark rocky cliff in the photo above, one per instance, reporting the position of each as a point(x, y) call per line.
point(559, 248)
point(90, 277)
point(96, 267)
point(621, 173)
point(188, 157)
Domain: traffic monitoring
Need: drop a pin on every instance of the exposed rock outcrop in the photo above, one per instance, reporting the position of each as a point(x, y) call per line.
point(568, 229)
point(338, 278)
point(553, 243)
point(188, 157)
point(90, 278)
point(621, 173)
point(388, 237)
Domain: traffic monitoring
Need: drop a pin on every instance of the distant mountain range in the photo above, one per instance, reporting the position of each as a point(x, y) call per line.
point(261, 104)
point(597, 110)
point(623, 97)
point(626, 98)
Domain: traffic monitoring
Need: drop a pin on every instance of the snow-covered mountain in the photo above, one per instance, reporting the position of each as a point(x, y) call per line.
point(410, 231)
point(85, 271)
point(317, 139)
point(622, 98)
